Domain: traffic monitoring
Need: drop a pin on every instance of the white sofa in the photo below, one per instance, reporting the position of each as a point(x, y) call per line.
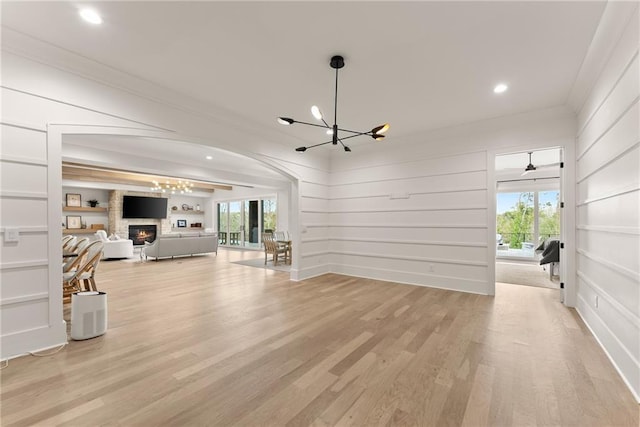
point(170, 245)
point(121, 248)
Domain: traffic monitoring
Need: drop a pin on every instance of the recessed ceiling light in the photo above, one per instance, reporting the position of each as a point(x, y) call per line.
point(91, 16)
point(500, 88)
point(209, 157)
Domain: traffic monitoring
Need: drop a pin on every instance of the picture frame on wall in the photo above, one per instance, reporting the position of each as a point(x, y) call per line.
point(181, 223)
point(74, 221)
point(74, 200)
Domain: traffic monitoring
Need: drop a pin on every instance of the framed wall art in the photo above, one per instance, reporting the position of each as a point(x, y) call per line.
point(74, 222)
point(74, 200)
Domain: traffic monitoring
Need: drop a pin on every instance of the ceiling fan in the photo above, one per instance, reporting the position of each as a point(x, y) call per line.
point(530, 167)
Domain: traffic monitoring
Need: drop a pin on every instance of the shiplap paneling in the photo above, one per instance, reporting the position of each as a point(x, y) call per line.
point(620, 211)
point(621, 286)
point(616, 177)
point(385, 186)
point(421, 221)
point(25, 268)
point(24, 316)
point(415, 232)
point(27, 212)
point(623, 136)
point(23, 281)
point(608, 199)
point(21, 178)
point(21, 143)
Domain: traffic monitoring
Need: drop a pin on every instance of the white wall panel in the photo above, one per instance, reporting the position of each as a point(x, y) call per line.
point(23, 212)
point(24, 316)
point(621, 249)
point(620, 285)
point(310, 189)
point(624, 94)
point(460, 199)
point(430, 166)
point(438, 217)
point(623, 136)
point(21, 143)
point(623, 326)
point(411, 233)
point(620, 211)
point(32, 247)
point(20, 178)
point(18, 282)
point(608, 211)
point(314, 204)
point(388, 185)
point(618, 176)
point(398, 249)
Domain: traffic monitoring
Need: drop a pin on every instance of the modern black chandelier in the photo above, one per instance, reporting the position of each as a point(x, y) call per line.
point(376, 133)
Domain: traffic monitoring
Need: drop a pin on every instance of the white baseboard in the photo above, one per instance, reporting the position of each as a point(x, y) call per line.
point(635, 392)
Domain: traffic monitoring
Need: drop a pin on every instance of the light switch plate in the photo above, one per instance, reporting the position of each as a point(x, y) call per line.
point(11, 234)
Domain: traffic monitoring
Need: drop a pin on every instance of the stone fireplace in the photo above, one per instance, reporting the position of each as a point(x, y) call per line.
point(121, 226)
point(142, 233)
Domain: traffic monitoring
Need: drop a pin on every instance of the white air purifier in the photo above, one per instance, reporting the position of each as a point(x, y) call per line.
point(88, 315)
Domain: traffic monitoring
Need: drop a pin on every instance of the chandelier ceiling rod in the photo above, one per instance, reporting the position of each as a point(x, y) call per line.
point(376, 133)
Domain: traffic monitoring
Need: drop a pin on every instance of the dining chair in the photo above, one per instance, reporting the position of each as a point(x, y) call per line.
point(272, 247)
point(66, 239)
point(86, 273)
point(68, 243)
point(80, 244)
point(72, 271)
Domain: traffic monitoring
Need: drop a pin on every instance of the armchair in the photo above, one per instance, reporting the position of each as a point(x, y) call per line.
point(120, 248)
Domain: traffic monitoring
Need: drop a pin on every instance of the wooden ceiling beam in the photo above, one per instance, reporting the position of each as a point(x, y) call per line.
point(79, 172)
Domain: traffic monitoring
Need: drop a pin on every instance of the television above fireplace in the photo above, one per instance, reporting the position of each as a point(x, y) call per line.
point(144, 207)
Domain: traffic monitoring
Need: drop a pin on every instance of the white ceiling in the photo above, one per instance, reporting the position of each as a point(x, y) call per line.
point(417, 65)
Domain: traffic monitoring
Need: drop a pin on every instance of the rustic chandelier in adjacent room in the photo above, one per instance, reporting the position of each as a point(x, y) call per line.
point(173, 186)
point(376, 133)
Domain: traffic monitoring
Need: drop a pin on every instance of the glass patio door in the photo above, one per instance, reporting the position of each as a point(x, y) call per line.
point(242, 222)
point(236, 223)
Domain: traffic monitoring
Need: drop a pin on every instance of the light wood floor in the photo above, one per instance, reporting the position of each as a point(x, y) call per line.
point(202, 341)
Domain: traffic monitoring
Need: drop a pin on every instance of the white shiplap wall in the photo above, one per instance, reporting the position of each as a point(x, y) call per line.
point(26, 269)
point(422, 221)
point(608, 206)
point(422, 211)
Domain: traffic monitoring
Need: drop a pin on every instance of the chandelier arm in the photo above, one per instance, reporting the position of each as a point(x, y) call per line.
point(350, 136)
point(317, 145)
point(356, 132)
point(326, 124)
point(313, 124)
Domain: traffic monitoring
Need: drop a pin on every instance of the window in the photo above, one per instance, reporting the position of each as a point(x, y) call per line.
point(524, 220)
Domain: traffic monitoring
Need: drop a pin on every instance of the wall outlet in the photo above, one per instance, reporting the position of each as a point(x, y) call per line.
point(11, 235)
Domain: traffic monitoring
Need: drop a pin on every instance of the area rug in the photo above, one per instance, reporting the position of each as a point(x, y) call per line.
point(525, 274)
point(259, 263)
